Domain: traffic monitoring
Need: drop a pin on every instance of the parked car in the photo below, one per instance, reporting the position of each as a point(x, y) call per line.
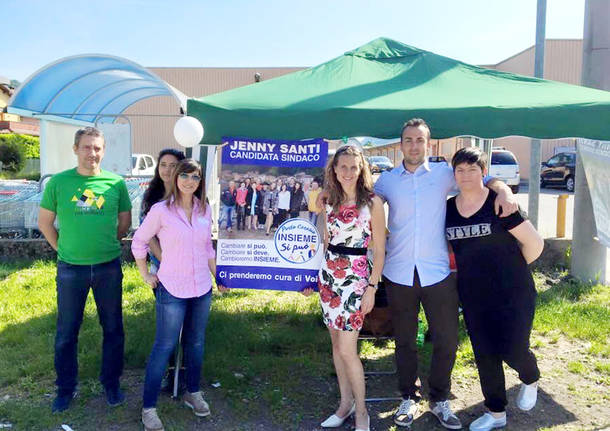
point(436, 159)
point(559, 171)
point(504, 166)
point(142, 165)
point(380, 163)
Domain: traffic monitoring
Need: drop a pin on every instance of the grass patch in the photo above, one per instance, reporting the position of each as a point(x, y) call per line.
point(269, 350)
point(577, 367)
point(576, 310)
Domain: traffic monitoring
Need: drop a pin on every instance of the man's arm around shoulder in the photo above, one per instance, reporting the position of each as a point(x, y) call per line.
point(506, 202)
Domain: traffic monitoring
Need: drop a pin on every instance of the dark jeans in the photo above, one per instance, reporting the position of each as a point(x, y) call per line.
point(282, 216)
point(440, 302)
point(241, 217)
point(190, 314)
point(73, 284)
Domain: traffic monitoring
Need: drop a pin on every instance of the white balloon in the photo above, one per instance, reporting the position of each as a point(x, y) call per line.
point(188, 131)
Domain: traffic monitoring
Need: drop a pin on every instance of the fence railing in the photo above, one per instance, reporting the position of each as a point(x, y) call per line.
point(20, 202)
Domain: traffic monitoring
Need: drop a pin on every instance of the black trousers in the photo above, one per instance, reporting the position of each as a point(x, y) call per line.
point(440, 303)
point(500, 334)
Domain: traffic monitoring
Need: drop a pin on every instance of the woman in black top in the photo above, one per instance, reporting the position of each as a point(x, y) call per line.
point(495, 285)
point(296, 200)
point(253, 203)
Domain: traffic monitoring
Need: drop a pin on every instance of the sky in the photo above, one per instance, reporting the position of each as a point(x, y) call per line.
point(270, 33)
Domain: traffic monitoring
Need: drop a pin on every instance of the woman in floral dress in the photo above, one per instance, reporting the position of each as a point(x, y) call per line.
point(354, 226)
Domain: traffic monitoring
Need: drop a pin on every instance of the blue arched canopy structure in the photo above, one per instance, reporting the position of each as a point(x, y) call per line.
point(88, 88)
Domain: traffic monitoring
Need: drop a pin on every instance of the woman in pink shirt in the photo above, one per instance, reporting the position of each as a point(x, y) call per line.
point(183, 284)
point(242, 191)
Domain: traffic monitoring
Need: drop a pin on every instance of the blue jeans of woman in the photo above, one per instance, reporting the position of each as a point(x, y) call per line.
point(190, 314)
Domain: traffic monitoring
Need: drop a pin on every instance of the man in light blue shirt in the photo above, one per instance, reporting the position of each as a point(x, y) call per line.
point(416, 269)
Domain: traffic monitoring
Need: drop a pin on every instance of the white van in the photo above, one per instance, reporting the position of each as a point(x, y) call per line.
point(142, 165)
point(504, 166)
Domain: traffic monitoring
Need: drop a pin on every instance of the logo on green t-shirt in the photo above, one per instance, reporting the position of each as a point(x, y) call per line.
point(88, 202)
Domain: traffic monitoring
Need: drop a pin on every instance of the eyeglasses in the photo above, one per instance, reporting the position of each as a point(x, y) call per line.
point(185, 176)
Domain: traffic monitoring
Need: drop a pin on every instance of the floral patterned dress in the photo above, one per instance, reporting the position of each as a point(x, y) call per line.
point(343, 278)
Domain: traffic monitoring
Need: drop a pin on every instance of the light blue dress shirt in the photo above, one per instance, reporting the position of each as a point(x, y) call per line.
point(416, 221)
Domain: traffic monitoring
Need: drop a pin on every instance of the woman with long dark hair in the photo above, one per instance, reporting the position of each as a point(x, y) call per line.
point(296, 200)
point(158, 186)
point(183, 224)
point(353, 227)
point(253, 202)
point(283, 203)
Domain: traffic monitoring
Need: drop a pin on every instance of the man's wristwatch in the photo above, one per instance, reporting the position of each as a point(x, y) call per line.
point(374, 286)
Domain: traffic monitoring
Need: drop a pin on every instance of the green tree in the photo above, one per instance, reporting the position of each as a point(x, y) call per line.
point(30, 144)
point(12, 156)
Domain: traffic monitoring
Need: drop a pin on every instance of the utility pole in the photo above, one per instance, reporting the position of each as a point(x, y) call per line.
point(589, 256)
point(534, 181)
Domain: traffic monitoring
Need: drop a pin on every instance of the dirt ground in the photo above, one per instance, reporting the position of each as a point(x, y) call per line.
point(566, 401)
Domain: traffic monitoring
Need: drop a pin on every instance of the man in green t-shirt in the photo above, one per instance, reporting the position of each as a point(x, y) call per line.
point(93, 211)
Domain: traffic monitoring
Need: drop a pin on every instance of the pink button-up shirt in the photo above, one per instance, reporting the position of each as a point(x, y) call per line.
point(186, 247)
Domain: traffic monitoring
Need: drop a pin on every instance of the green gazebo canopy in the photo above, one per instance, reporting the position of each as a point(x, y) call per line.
point(372, 90)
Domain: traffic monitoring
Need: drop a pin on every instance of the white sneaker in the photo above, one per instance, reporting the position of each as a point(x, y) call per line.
point(487, 422)
point(151, 420)
point(444, 414)
point(528, 394)
point(405, 413)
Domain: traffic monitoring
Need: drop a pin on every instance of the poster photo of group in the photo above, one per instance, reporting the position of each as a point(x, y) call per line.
point(268, 234)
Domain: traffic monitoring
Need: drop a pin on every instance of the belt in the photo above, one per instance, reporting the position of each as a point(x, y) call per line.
point(352, 251)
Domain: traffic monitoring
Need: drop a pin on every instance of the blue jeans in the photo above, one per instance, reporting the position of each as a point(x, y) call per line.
point(313, 218)
point(73, 284)
point(227, 215)
point(190, 314)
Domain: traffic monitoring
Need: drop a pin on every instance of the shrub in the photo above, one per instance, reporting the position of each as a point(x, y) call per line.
point(31, 144)
point(12, 156)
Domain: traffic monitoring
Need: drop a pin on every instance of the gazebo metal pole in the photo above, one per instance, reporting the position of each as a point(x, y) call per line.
point(178, 364)
point(534, 178)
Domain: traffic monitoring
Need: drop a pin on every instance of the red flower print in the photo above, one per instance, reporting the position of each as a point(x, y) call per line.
point(347, 214)
point(339, 273)
point(325, 293)
point(340, 322)
point(342, 263)
point(360, 266)
point(335, 301)
point(356, 320)
point(331, 264)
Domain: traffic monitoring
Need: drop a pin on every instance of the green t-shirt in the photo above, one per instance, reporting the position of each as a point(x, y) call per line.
point(87, 211)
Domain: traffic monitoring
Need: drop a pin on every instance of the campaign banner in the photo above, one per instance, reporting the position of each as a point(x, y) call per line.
point(268, 237)
point(595, 156)
point(308, 153)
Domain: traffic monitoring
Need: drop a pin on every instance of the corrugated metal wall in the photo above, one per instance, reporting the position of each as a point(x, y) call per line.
point(151, 132)
point(562, 62)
